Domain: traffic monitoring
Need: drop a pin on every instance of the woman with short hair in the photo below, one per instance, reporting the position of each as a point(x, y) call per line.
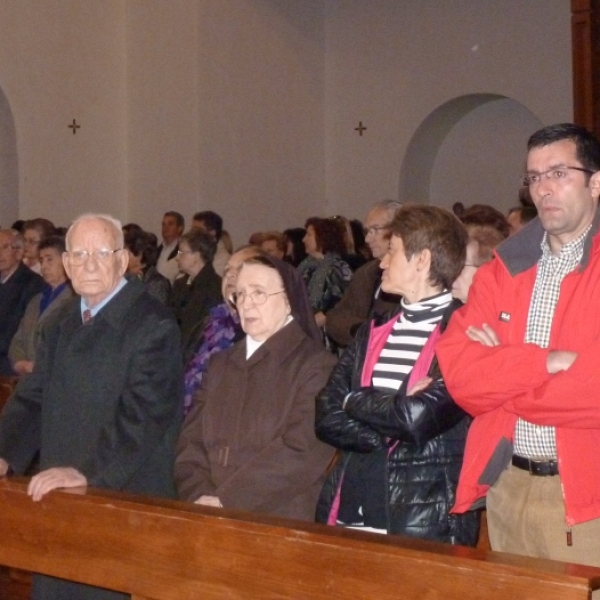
point(198, 290)
point(324, 272)
point(142, 247)
point(386, 406)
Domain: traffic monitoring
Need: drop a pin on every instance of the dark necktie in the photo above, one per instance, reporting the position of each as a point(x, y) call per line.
point(87, 316)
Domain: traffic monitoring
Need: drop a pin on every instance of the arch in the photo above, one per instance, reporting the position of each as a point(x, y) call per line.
point(435, 133)
point(9, 165)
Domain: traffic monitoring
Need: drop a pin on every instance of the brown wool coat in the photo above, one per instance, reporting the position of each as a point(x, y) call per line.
point(250, 437)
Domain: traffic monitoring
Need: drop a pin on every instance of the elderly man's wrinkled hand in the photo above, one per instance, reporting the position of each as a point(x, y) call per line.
point(52, 479)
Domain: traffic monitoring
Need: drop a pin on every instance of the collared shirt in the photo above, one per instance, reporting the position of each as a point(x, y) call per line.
point(405, 343)
point(539, 441)
point(5, 279)
point(83, 304)
point(168, 268)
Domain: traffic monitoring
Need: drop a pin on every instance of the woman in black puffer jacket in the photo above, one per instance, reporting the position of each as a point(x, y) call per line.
point(386, 406)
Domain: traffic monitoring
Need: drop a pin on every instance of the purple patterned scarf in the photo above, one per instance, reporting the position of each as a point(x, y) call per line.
point(219, 334)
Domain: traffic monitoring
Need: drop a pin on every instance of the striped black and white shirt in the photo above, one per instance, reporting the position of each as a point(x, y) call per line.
point(407, 338)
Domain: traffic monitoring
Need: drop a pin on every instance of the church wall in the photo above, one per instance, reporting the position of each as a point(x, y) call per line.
point(225, 109)
point(162, 109)
point(185, 105)
point(248, 107)
point(261, 132)
point(391, 64)
point(60, 60)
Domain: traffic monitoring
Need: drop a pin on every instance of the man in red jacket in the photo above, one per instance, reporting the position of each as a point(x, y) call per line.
point(522, 357)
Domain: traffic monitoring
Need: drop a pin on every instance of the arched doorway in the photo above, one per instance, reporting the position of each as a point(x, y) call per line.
point(470, 150)
point(9, 166)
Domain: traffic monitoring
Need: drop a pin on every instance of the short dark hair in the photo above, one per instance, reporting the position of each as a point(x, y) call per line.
point(484, 215)
point(329, 234)
point(18, 225)
point(212, 222)
point(43, 226)
point(54, 241)
point(426, 227)
point(131, 228)
point(587, 146)
point(294, 236)
point(202, 242)
point(143, 244)
point(526, 213)
point(177, 216)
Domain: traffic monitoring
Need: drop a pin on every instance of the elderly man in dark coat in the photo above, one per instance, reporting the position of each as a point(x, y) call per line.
point(104, 402)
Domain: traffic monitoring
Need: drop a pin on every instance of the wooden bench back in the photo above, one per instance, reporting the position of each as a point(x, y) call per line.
point(170, 550)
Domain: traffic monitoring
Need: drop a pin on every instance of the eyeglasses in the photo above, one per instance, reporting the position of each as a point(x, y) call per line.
point(29, 242)
point(180, 252)
point(555, 174)
point(78, 257)
point(375, 229)
point(8, 247)
point(257, 297)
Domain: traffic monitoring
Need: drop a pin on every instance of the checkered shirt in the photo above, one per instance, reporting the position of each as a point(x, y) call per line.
point(539, 441)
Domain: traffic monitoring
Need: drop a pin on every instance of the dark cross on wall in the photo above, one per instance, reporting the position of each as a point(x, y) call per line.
point(360, 128)
point(74, 126)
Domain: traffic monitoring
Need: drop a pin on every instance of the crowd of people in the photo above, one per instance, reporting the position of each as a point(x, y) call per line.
point(388, 376)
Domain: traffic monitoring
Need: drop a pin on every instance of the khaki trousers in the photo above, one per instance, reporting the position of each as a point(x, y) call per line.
point(526, 515)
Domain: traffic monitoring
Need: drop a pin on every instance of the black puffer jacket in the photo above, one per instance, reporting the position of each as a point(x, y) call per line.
point(423, 468)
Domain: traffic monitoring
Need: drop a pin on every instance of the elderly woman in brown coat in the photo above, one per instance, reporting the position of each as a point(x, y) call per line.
point(249, 441)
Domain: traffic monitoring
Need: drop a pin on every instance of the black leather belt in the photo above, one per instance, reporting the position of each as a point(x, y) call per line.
point(542, 468)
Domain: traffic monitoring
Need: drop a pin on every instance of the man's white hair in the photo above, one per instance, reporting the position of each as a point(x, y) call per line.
point(113, 223)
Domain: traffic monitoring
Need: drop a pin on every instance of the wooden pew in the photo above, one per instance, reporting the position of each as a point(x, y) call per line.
point(166, 550)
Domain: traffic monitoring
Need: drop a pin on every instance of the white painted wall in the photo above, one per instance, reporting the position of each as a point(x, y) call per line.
point(59, 60)
point(392, 63)
point(248, 107)
point(261, 134)
point(162, 109)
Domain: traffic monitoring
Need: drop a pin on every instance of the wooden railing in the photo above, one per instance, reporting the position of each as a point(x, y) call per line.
point(166, 550)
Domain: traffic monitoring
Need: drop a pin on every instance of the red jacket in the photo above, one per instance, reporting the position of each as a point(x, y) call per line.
point(497, 385)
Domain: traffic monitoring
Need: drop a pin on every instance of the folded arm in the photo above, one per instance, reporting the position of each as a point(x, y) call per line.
point(415, 418)
point(333, 424)
point(483, 377)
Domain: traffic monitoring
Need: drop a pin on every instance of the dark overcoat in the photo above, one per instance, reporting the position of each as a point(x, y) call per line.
point(191, 302)
point(105, 398)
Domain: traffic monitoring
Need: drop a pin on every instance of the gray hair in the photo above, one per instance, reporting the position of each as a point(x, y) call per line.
point(390, 206)
point(112, 223)
point(17, 239)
